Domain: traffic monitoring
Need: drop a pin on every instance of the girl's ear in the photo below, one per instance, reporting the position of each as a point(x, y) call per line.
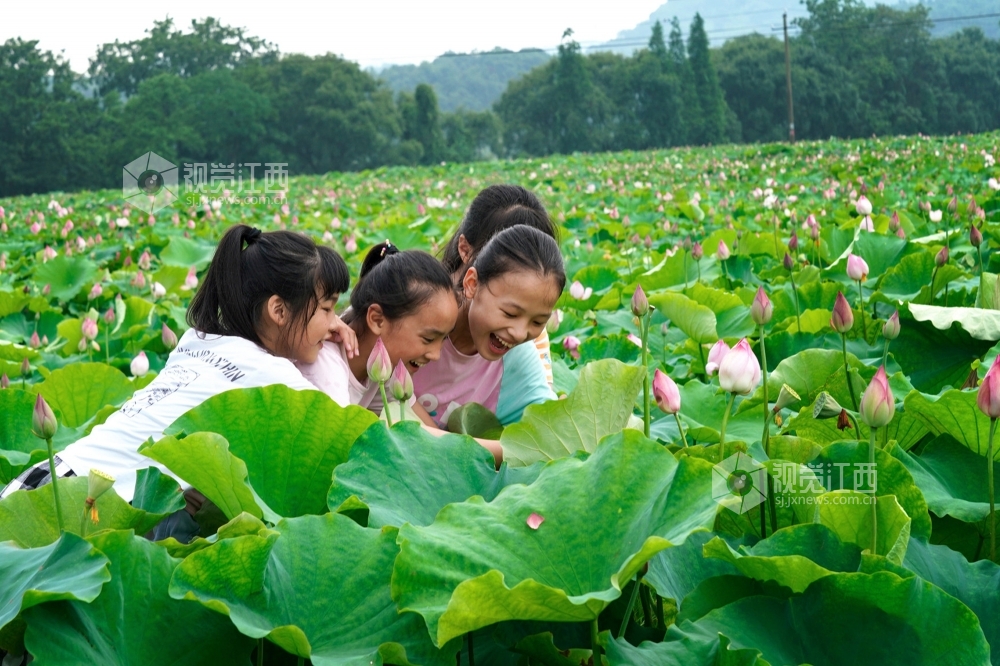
point(470, 283)
point(464, 249)
point(375, 319)
point(276, 311)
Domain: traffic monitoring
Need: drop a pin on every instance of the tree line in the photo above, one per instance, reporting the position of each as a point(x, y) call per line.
point(215, 94)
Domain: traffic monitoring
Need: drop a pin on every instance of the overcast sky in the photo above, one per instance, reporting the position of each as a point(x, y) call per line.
point(371, 32)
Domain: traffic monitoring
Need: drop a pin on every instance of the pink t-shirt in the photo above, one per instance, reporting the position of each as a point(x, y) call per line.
point(445, 385)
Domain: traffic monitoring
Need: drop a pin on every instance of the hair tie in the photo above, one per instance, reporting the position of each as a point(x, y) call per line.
point(388, 249)
point(251, 235)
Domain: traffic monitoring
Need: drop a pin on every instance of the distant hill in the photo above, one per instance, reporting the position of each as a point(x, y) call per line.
point(471, 81)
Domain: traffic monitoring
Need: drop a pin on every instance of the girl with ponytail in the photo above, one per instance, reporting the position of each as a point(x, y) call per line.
point(267, 300)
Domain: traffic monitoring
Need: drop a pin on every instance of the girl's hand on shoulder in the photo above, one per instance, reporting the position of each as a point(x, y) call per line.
point(344, 335)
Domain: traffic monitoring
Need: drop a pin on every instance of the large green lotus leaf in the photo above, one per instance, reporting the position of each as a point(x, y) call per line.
point(975, 585)
point(954, 413)
point(318, 586)
point(290, 440)
point(849, 514)
point(482, 563)
point(675, 270)
point(242, 525)
point(65, 276)
point(842, 467)
point(205, 461)
point(78, 391)
point(696, 320)
point(678, 650)
point(932, 358)
point(880, 252)
point(600, 405)
point(980, 324)
point(405, 475)
point(703, 406)
point(952, 478)
point(616, 345)
point(12, 302)
point(18, 446)
point(906, 428)
point(850, 618)
point(70, 568)
point(134, 620)
point(28, 517)
point(794, 557)
point(676, 571)
point(795, 489)
point(157, 492)
point(187, 252)
point(476, 421)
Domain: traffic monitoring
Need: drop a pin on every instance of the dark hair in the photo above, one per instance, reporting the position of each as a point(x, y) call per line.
point(399, 282)
point(241, 280)
point(520, 248)
point(494, 209)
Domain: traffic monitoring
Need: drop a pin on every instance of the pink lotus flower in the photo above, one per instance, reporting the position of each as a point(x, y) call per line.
point(88, 328)
point(877, 404)
point(988, 398)
point(145, 261)
point(95, 291)
point(554, 321)
point(863, 206)
point(350, 245)
point(857, 268)
point(761, 310)
point(379, 364)
point(867, 224)
point(843, 317)
point(158, 290)
point(571, 343)
point(715, 356)
point(139, 365)
point(635, 339)
point(401, 383)
point(666, 393)
point(579, 292)
point(191, 281)
point(934, 215)
point(739, 371)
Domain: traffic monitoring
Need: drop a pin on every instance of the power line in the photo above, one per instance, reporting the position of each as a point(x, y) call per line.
point(889, 24)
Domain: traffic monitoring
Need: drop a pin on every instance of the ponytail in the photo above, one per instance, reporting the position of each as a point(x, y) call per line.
point(398, 282)
point(250, 266)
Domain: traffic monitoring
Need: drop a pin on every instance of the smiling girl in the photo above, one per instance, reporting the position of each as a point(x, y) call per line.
point(405, 298)
point(510, 290)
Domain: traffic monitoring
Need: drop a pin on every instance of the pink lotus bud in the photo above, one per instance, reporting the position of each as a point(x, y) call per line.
point(988, 398)
point(35, 227)
point(894, 221)
point(35, 342)
point(635, 339)
point(554, 321)
point(139, 365)
point(953, 205)
point(191, 281)
point(863, 206)
point(890, 330)
point(793, 242)
point(900, 233)
point(941, 258)
point(579, 292)
point(351, 245)
point(715, 356)
point(421, 210)
point(723, 251)
point(787, 262)
point(43, 419)
point(647, 241)
point(95, 291)
point(109, 316)
point(843, 317)
point(761, 309)
point(158, 290)
point(666, 393)
point(571, 344)
point(877, 404)
point(139, 280)
point(975, 236)
point(45, 340)
point(640, 304)
point(168, 337)
point(857, 268)
point(25, 369)
point(88, 328)
point(145, 261)
point(739, 371)
point(401, 383)
point(379, 364)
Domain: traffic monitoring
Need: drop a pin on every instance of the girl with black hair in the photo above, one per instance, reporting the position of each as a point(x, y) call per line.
point(405, 298)
point(267, 300)
point(494, 209)
point(510, 289)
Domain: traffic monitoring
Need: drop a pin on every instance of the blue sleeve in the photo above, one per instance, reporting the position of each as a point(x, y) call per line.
point(524, 383)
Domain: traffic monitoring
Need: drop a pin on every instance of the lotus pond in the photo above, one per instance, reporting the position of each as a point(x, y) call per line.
point(336, 540)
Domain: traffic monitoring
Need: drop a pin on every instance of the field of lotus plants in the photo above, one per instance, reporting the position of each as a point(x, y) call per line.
point(775, 443)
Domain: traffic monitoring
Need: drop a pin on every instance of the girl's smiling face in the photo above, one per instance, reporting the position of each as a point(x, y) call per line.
point(510, 309)
point(416, 339)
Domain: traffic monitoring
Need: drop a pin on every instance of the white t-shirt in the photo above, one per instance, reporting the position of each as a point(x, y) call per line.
point(199, 368)
point(332, 375)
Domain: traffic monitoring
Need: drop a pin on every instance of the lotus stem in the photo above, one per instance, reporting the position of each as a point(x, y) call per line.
point(697, 263)
point(55, 484)
point(595, 647)
point(680, 429)
point(725, 271)
point(647, 606)
point(402, 415)
point(472, 653)
point(301, 662)
point(864, 323)
point(385, 403)
point(628, 609)
point(885, 352)
point(260, 652)
point(847, 376)
point(701, 352)
point(771, 508)
point(989, 480)
point(685, 270)
point(871, 468)
point(933, 277)
point(107, 345)
point(857, 428)
point(795, 296)
point(767, 407)
point(645, 369)
point(979, 296)
point(83, 522)
point(725, 421)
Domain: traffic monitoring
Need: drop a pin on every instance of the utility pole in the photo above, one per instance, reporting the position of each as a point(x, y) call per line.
point(788, 83)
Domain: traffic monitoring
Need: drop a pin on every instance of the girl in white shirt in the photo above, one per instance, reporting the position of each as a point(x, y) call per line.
point(267, 300)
